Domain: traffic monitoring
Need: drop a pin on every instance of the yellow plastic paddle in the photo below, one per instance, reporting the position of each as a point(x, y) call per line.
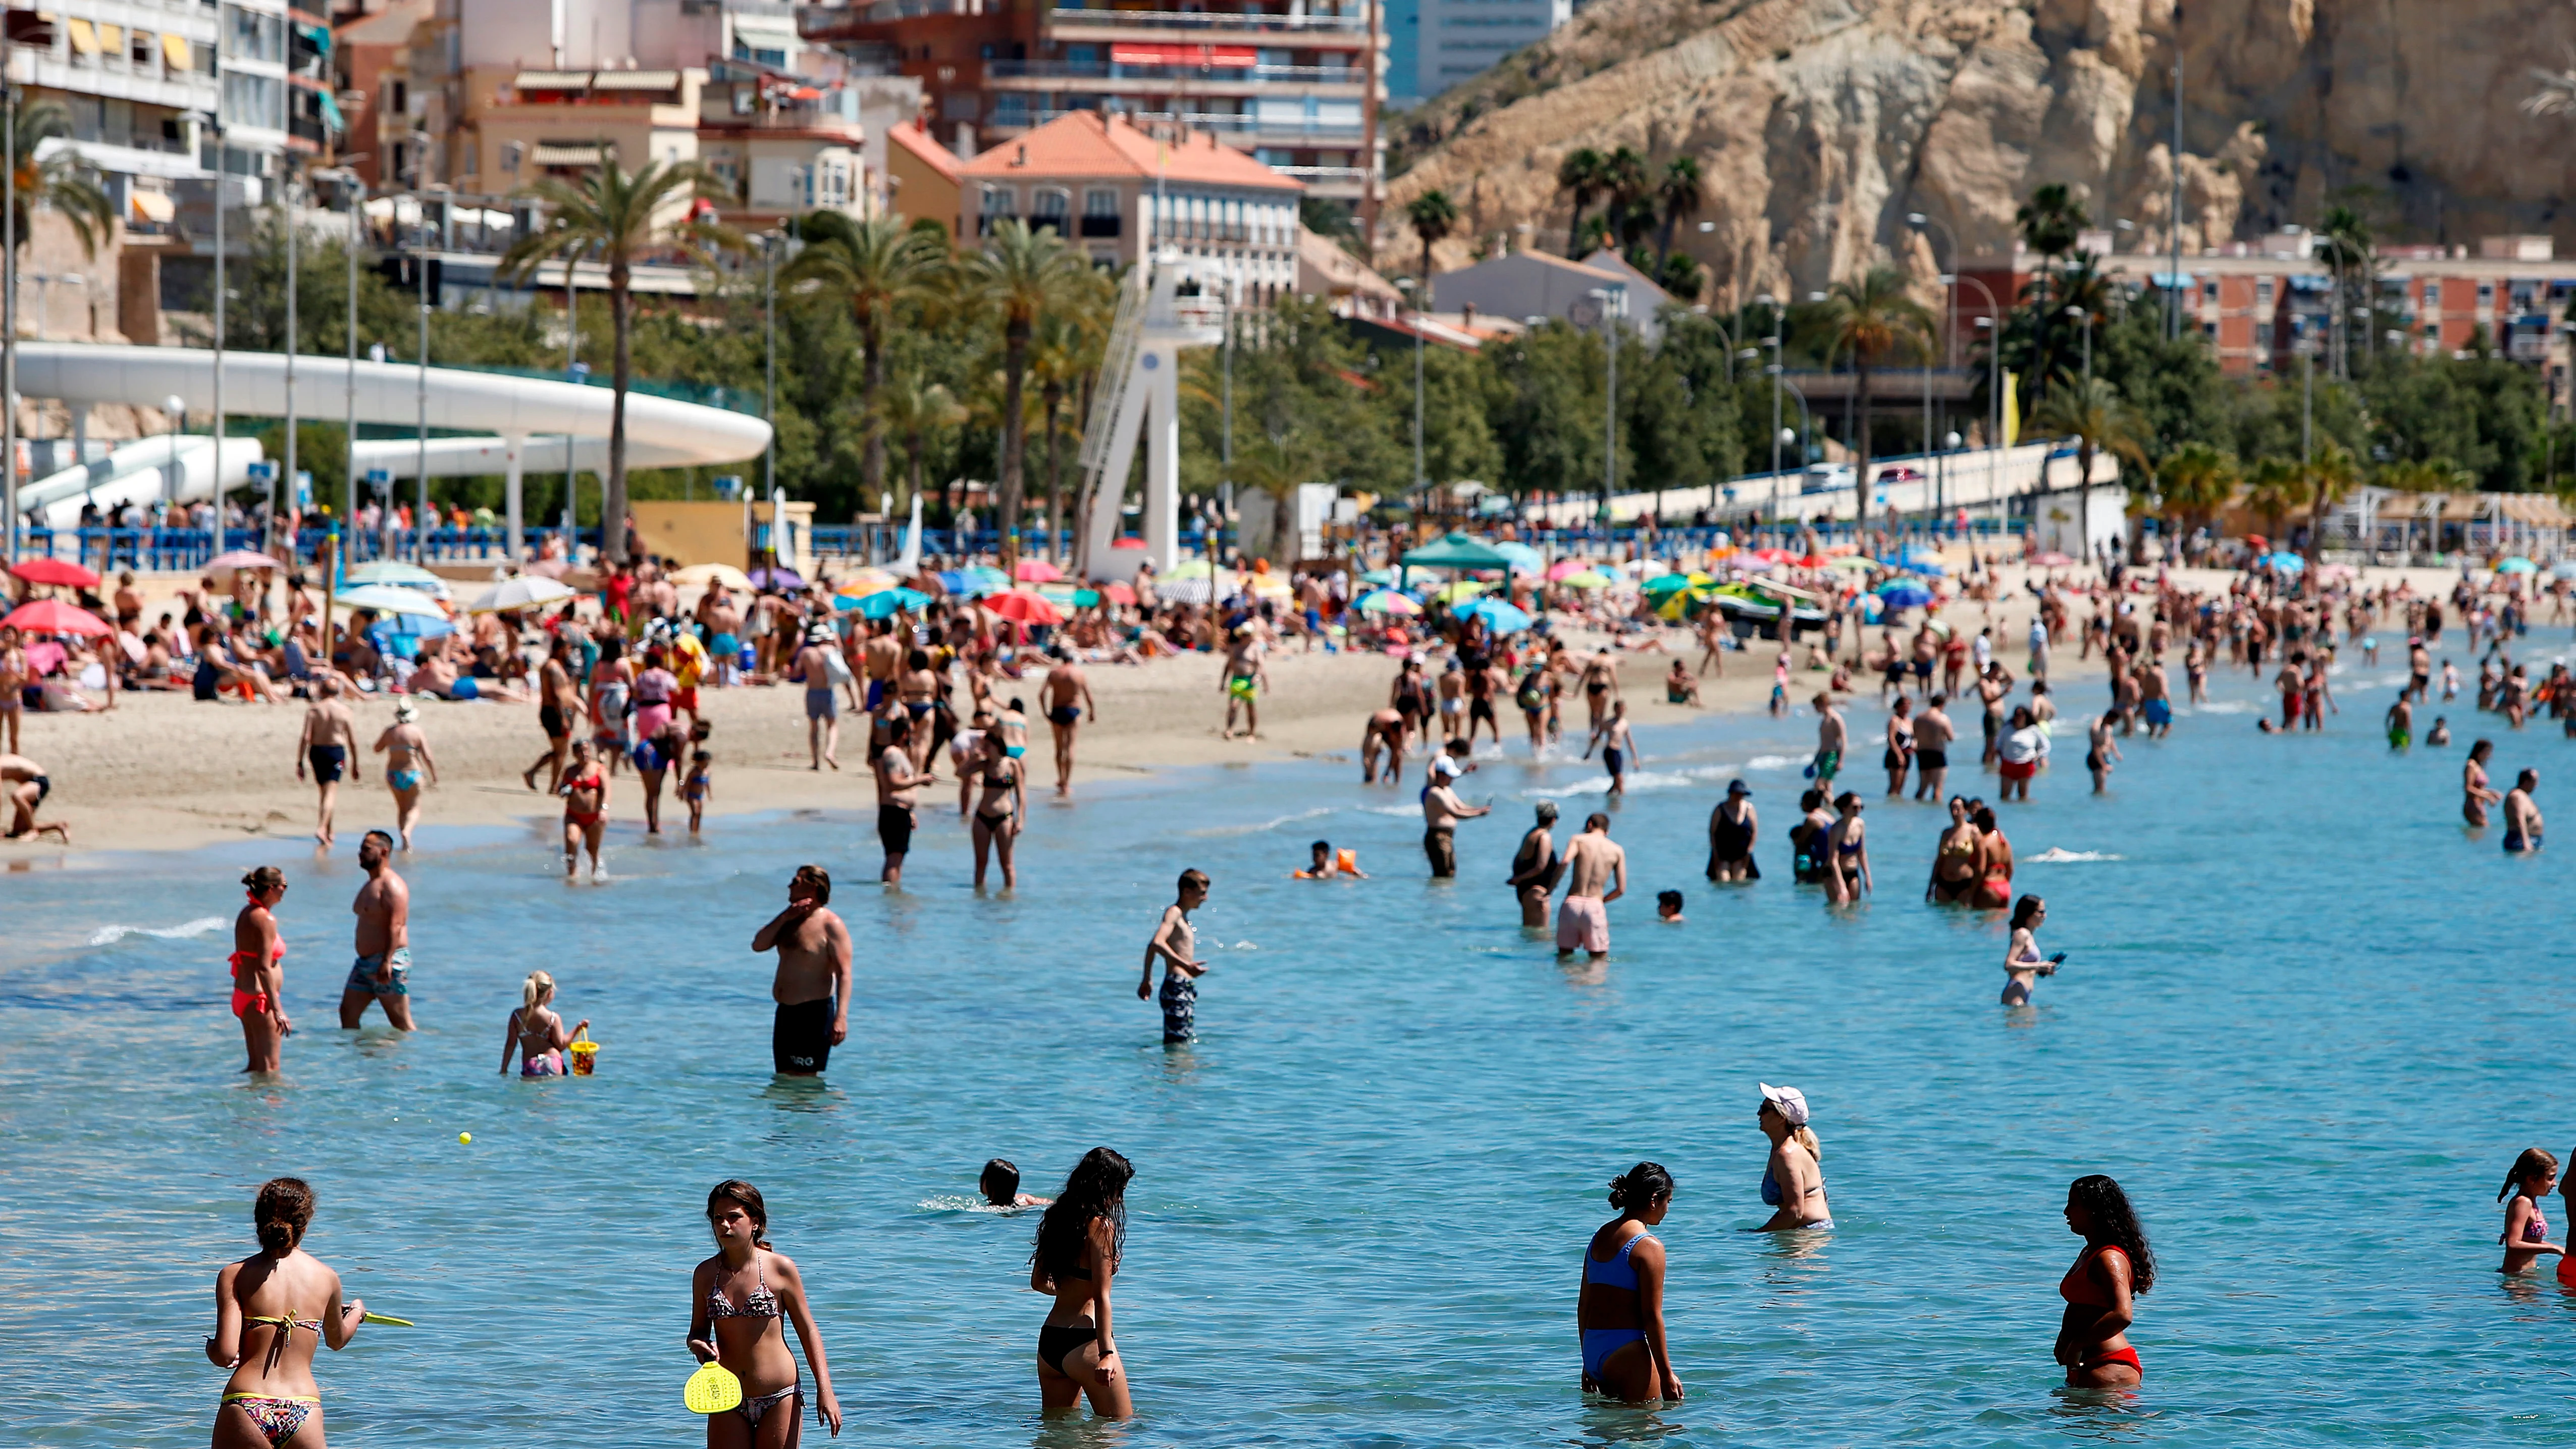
point(712, 1389)
point(381, 1318)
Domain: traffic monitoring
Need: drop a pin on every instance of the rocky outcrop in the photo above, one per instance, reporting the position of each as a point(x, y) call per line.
point(1819, 124)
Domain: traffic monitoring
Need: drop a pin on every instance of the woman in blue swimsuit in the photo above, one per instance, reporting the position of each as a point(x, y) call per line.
point(1621, 1311)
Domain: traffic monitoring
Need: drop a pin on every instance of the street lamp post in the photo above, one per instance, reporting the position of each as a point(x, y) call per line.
point(2087, 318)
point(1994, 373)
point(1614, 305)
point(1408, 286)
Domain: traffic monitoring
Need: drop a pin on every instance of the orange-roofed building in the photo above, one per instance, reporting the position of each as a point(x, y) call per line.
point(1114, 190)
point(926, 176)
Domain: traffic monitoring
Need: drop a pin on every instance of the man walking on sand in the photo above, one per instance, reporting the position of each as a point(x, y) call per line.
point(822, 703)
point(812, 987)
point(1066, 697)
point(328, 737)
point(382, 971)
point(1591, 862)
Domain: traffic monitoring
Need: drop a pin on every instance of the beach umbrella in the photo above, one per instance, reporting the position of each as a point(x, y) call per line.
point(2049, 560)
point(1564, 568)
point(61, 572)
point(1455, 551)
point(1188, 568)
point(1380, 577)
point(524, 592)
point(2565, 568)
point(389, 599)
point(1388, 601)
point(1586, 579)
point(53, 616)
point(1117, 593)
point(774, 577)
point(1904, 596)
point(1085, 598)
point(1521, 558)
point(699, 576)
point(1270, 586)
point(1773, 555)
point(1499, 616)
point(1451, 593)
point(242, 558)
point(391, 571)
point(2287, 563)
point(2517, 565)
point(1023, 607)
point(1675, 582)
point(1036, 571)
point(866, 581)
point(883, 603)
point(1853, 562)
point(985, 579)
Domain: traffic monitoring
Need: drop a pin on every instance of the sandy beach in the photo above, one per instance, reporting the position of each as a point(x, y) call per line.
point(164, 772)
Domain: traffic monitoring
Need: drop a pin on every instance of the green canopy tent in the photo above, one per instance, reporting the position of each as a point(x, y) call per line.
point(1456, 552)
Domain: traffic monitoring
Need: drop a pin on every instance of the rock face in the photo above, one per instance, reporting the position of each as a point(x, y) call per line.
point(1819, 124)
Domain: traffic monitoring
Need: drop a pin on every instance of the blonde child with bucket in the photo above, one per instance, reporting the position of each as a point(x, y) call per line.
point(536, 1033)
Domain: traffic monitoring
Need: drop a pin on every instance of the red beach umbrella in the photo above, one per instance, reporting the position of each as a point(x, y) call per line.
point(55, 571)
point(53, 616)
point(1025, 608)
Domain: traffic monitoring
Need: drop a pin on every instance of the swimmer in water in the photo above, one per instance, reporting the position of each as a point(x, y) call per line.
point(2104, 750)
point(535, 1032)
point(1793, 1182)
point(2475, 794)
point(1000, 1185)
point(1620, 1312)
point(1956, 859)
point(2101, 1289)
point(2401, 722)
point(271, 1310)
point(1845, 853)
point(2526, 1228)
point(1175, 940)
point(1668, 907)
point(2023, 965)
point(740, 1303)
point(2522, 822)
point(1080, 1241)
point(584, 789)
point(2440, 734)
point(1326, 864)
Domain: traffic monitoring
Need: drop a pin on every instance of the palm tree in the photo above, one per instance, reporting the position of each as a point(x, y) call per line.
point(60, 180)
point(2092, 414)
point(2330, 477)
point(2272, 490)
point(1632, 190)
point(1678, 195)
point(1581, 174)
point(1067, 350)
point(621, 216)
point(1018, 276)
point(1873, 318)
point(915, 409)
point(875, 267)
point(1433, 216)
point(2051, 220)
point(2197, 481)
point(2346, 249)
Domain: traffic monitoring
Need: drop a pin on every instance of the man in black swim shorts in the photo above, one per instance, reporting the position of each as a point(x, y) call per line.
point(813, 984)
point(898, 793)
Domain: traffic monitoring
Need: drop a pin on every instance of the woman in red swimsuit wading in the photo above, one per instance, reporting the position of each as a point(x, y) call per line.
point(2101, 1289)
point(742, 1300)
point(270, 1309)
point(259, 978)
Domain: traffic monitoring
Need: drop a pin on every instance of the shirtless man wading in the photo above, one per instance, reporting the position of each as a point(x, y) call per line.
point(813, 985)
point(382, 971)
point(329, 737)
point(1066, 698)
point(898, 793)
point(1591, 862)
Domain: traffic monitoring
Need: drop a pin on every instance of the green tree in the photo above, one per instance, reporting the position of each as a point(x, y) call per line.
point(1632, 192)
point(1545, 408)
point(2327, 481)
point(915, 409)
point(1432, 215)
point(1067, 350)
point(2272, 490)
point(2196, 482)
point(2093, 415)
point(1020, 275)
point(1678, 196)
point(1871, 319)
point(875, 268)
point(59, 181)
point(1581, 175)
point(619, 216)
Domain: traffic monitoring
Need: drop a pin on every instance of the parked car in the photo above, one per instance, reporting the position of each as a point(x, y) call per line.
point(1825, 478)
point(1899, 473)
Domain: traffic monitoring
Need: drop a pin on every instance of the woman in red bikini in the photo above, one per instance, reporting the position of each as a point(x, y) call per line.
point(259, 978)
point(585, 796)
point(2101, 1289)
point(263, 1333)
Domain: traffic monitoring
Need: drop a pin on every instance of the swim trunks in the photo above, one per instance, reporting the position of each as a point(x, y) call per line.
point(725, 647)
point(1065, 714)
point(551, 718)
point(876, 694)
point(800, 1036)
point(1932, 759)
point(1180, 1002)
point(327, 762)
point(2159, 713)
point(1242, 687)
point(894, 828)
point(2515, 844)
point(1615, 761)
point(1582, 923)
point(362, 975)
point(2018, 769)
point(2400, 739)
point(1440, 843)
point(1824, 765)
point(822, 703)
point(463, 690)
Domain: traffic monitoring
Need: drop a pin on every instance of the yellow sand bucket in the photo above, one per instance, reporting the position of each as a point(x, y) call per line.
point(585, 1054)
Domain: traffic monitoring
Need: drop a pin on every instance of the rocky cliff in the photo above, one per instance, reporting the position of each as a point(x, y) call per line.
point(1819, 124)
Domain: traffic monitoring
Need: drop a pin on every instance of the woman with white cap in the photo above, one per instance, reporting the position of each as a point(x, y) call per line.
point(1793, 1183)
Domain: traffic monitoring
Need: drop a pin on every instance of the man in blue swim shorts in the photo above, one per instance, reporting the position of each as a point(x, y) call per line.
point(382, 972)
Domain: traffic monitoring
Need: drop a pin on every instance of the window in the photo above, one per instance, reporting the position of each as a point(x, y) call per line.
point(252, 35)
point(399, 96)
point(2433, 294)
point(1011, 108)
point(1049, 208)
point(2263, 294)
point(2486, 293)
point(1100, 201)
point(1001, 201)
point(254, 100)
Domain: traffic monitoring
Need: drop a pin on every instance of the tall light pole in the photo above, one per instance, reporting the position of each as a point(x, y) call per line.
point(1407, 285)
point(1994, 372)
point(1922, 221)
point(2087, 319)
point(769, 377)
point(286, 487)
point(9, 302)
point(420, 213)
point(223, 171)
point(1614, 305)
point(2173, 205)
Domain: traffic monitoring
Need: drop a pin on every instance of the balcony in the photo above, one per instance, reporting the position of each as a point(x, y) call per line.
point(1201, 75)
point(1100, 226)
point(1276, 130)
point(1194, 20)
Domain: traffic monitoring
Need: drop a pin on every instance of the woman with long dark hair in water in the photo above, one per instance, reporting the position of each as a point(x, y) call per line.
point(1078, 1246)
point(259, 971)
point(740, 1302)
point(260, 1304)
point(2101, 1289)
point(1620, 1313)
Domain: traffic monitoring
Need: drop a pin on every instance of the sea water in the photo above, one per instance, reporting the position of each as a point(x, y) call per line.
point(2305, 1018)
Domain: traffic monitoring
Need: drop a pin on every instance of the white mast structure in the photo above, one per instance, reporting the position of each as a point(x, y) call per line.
point(1165, 306)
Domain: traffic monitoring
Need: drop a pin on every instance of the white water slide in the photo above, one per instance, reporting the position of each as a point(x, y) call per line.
point(523, 422)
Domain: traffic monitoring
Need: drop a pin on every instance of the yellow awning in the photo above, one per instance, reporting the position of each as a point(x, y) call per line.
point(111, 38)
point(84, 35)
point(175, 52)
point(151, 206)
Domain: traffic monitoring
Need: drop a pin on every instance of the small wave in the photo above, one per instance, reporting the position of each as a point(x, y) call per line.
point(1222, 830)
point(2055, 855)
point(1639, 782)
point(110, 935)
point(951, 1203)
point(2227, 706)
point(1409, 812)
point(1770, 762)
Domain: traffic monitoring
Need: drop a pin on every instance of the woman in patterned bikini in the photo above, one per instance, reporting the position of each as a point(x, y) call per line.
point(744, 1298)
point(262, 1335)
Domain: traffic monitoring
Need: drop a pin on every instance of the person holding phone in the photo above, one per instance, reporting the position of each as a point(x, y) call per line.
point(2023, 965)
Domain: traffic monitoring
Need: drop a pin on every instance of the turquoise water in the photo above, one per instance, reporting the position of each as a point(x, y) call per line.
point(2305, 1019)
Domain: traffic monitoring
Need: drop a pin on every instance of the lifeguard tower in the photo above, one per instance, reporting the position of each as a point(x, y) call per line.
point(1168, 303)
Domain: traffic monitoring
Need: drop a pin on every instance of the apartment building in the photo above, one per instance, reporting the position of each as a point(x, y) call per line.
point(1117, 191)
point(1294, 83)
point(139, 82)
point(1462, 39)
